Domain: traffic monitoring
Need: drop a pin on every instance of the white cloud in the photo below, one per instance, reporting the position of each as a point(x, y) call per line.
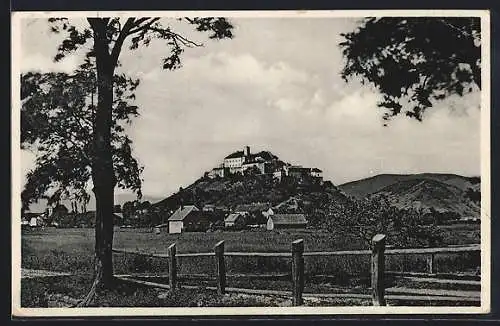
point(40, 63)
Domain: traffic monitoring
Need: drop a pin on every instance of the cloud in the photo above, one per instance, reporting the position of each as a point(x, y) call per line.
point(40, 63)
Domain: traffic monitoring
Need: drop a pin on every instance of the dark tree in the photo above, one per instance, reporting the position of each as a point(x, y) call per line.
point(107, 36)
point(414, 61)
point(362, 219)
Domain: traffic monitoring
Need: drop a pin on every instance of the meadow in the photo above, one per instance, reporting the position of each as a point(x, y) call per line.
point(71, 250)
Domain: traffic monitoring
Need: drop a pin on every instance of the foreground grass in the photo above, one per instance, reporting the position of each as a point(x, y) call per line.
point(35, 293)
point(71, 250)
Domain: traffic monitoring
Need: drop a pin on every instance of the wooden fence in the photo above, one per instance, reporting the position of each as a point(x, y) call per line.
point(378, 253)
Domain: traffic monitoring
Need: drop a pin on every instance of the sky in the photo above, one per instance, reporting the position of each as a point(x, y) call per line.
point(276, 86)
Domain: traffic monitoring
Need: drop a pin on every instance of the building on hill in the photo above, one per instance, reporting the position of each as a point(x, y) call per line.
point(297, 171)
point(240, 161)
point(234, 161)
point(316, 173)
point(219, 171)
point(236, 220)
point(286, 221)
point(257, 163)
point(188, 218)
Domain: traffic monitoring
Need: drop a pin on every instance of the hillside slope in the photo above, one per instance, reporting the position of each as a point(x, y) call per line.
point(429, 193)
point(443, 192)
point(227, 193)
point(364, 187)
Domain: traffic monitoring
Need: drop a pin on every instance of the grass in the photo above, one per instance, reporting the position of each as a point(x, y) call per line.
point(71, 250)
point(35, 293)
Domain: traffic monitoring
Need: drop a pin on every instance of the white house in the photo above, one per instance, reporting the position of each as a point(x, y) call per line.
point(235, 161)
point(317, 173)
point(187, 218)
point(235, 220)
point(36, 221)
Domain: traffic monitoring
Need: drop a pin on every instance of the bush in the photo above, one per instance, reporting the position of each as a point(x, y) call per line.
point(365, 218)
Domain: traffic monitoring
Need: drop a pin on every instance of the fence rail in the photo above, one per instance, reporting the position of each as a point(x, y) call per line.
point(406, 251)
point(378, 253)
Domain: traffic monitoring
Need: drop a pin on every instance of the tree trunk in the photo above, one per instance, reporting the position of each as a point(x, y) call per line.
point(103, 176)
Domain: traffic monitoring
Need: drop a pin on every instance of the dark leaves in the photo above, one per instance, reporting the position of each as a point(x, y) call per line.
point(414, 60)
point(74, 39)
point(219, 28)
point(57, 119)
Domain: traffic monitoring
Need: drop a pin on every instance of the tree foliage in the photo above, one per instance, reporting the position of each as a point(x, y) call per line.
point(414, 61)
point(57, 120)
point(96, 146)
point(58, 116)
point(363, 219)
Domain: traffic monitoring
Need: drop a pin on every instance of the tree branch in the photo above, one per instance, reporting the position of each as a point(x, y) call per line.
point(168, 33)
point(143, 27)
point(115, 52)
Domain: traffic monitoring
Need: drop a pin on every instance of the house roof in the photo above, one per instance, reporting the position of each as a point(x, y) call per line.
point(292, 201)
point(292, 219)
point(232, 217)
point(236, 154)
point(316, 170)
point(297, 167)
point(181, 213)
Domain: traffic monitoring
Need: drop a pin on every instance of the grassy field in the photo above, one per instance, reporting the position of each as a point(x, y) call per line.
point(71, 250)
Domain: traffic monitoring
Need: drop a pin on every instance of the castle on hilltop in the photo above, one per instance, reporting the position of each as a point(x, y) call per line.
point(263, 162)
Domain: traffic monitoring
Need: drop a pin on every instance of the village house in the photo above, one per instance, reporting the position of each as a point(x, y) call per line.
point(236, 220)
point(208, 208)
point(187, 218)
point(32, 219)
point(286, 221)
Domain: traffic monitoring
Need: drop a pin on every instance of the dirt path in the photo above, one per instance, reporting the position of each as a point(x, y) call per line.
point(34, 273)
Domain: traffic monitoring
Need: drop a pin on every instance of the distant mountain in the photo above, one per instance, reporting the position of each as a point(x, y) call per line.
point(445, 192)
point(362, 188)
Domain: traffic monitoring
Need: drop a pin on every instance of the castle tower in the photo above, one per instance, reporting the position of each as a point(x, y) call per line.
point(246, 151)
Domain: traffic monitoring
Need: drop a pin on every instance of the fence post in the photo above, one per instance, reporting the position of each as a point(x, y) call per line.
point(378, 267)
point(297, 271)
point(172, 267)
point(220, 267)
point(430, 263)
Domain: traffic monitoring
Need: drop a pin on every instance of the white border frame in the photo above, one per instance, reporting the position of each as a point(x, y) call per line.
point(260, 311)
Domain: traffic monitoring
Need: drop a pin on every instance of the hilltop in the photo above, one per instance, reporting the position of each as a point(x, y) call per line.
point(443, 192)
point(260, 178)
point(227, 193)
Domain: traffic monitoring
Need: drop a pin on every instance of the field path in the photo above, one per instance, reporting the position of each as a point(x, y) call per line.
point(34, 273)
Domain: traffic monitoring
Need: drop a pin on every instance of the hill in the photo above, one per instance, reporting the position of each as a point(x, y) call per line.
point(444, 192)
point(362, 188)
point(227, 193)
